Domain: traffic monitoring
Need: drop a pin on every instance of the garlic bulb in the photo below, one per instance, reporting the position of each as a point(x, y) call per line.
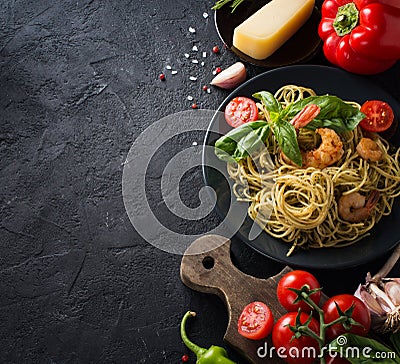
point(382, 296)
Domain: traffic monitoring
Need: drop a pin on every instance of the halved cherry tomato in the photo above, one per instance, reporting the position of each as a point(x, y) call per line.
point(240, 110)
point(360, 314)
point(379, 116)
point(297, 279)
point(302, 350)
point(256, 321)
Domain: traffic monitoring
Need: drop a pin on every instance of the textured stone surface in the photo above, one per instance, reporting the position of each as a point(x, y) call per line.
point(78, 83)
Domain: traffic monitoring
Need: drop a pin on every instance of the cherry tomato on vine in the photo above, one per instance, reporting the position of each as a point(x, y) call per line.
point(302, 350)
point(255, 321)
point(360, 314)
point(240, 110)
point(297, 279)
point(379, 116)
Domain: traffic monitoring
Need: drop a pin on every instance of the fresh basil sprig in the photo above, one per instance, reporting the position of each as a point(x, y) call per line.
point(242, 141)
point(284, 132)
point(335, 113)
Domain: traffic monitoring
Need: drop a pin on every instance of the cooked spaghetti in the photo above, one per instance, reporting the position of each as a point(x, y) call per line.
point(301, 205)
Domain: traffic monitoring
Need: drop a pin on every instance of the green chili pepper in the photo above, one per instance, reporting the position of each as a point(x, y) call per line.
point(213, 355)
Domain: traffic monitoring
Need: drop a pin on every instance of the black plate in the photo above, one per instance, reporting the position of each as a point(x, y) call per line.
point(302, 46)
point(385, 234)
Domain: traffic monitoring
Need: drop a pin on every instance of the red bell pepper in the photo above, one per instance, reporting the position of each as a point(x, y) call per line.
point(361, 36)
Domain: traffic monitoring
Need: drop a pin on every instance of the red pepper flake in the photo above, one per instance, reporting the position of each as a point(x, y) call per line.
point(185, 358)
point(218, 70)
point(161, 76)
point(205, 88)
point(215, 49)
point(194, 106)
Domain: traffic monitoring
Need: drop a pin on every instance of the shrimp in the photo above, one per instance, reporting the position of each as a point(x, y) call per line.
point(353, 208)
point(331, 147)
point(369, 150)
point(305, 116)
point(328, 153)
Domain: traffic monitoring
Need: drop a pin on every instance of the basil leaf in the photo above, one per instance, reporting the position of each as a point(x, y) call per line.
point(335, 113)
point(362, 350)
point(252, 142)
point(242, 141)
point(286, 137)
point(270, 103)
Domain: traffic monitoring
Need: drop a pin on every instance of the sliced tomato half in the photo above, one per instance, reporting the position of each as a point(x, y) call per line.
point(256, 321)
point(240, 110)
point(379, 116)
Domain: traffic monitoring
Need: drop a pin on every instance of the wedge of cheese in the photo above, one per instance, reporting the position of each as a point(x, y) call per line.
point(265, 31)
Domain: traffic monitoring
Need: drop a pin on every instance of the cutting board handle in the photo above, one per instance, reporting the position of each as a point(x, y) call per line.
point(207, 267)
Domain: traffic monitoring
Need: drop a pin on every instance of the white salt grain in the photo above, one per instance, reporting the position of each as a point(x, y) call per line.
point(195, 49)
point(190, 98)
point(191, 78)
point(168, 67)
point(174, 72)
point(195, 61)
point(204, 54)
point(192, 30)
point(205, 15)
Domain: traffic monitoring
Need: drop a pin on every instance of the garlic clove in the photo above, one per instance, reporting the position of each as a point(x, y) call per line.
point(381, 297)
point(392, 289)
point(384, 304)
point(370, 301)
point(378, 315)
point(230, 77)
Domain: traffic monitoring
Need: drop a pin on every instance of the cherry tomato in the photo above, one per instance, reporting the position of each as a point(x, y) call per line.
point(240, 110)
point(297, 279)
point(379, 116)
point(360, 314)
point(255, 321)
point(302, 350)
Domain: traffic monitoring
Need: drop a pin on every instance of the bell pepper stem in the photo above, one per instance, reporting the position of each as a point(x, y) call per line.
point(346, 19)
point(199, 351)
point(342, 20)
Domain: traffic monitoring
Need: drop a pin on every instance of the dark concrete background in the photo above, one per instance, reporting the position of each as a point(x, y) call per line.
point(78, 83)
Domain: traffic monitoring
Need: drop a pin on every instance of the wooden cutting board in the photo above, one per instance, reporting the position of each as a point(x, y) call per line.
point(207, 267)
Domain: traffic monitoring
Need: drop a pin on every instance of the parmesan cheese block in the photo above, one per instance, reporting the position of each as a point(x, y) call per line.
point(266, 30)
